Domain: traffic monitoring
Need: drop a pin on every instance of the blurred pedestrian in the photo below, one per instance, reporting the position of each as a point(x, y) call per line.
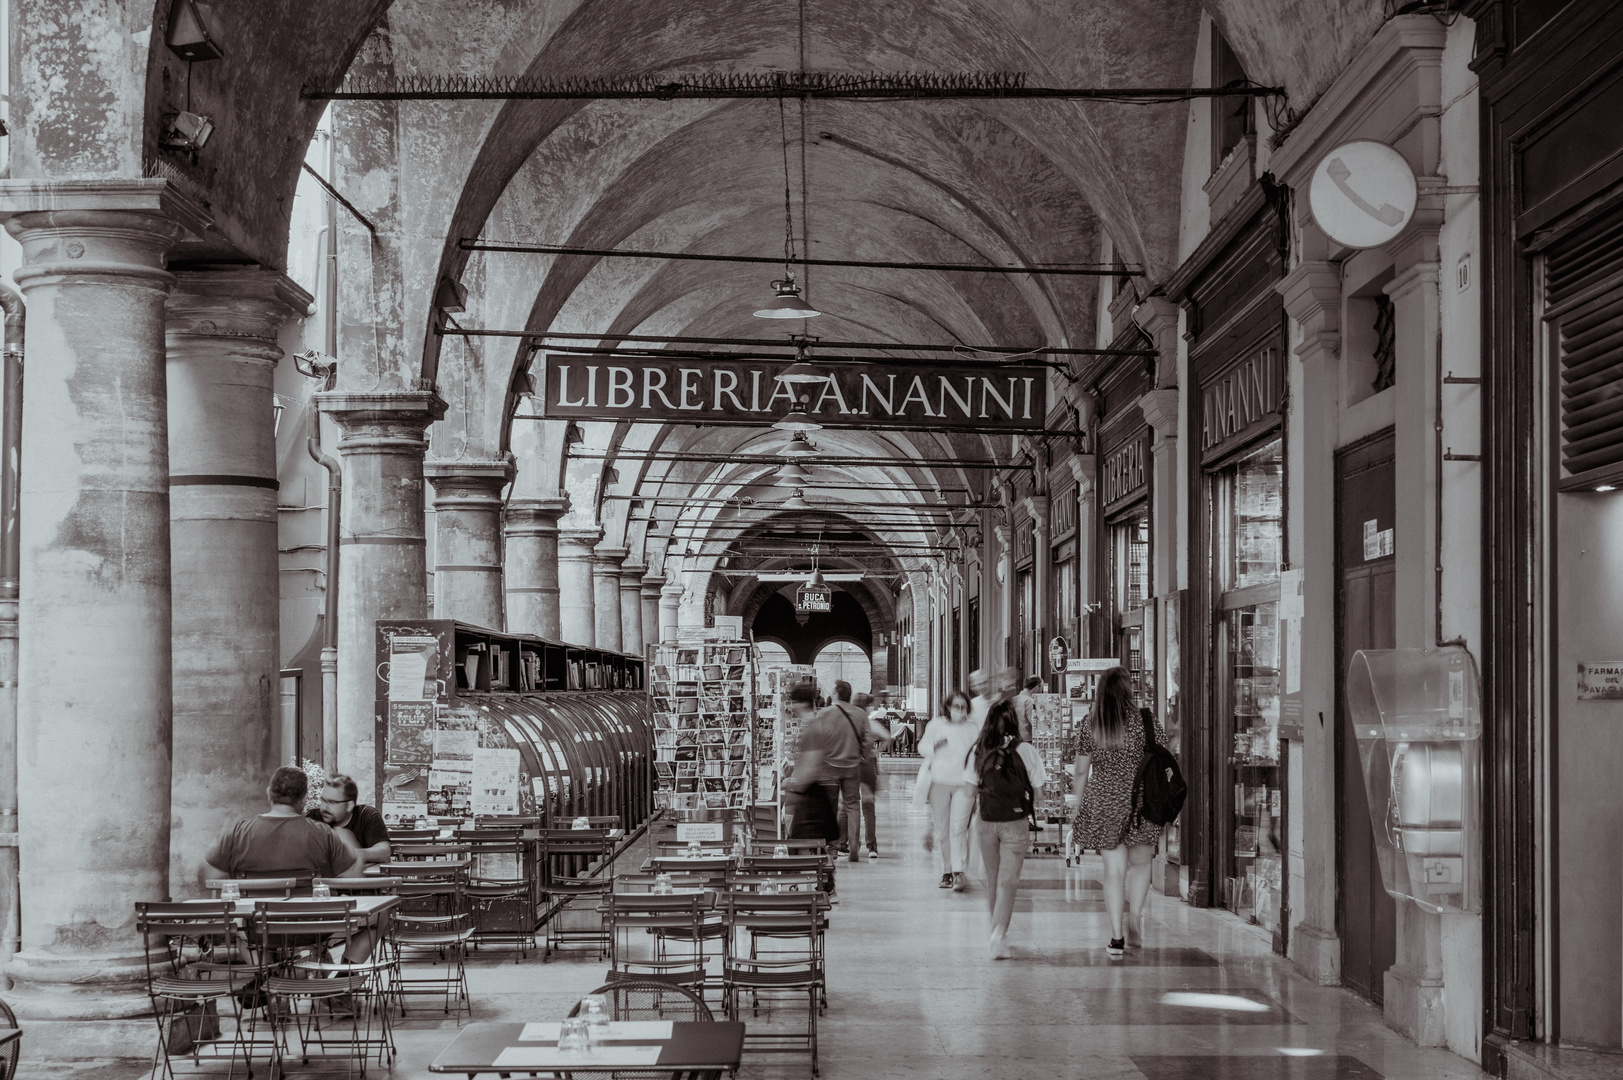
point(948, 747)
point(875, 737)
point(1009, 775)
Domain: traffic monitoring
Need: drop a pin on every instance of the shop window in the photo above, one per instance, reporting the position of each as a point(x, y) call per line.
point(1386, 352)
point(1130, 591)
point(1065, 602)
point(1584, 313)
point(1248, 544)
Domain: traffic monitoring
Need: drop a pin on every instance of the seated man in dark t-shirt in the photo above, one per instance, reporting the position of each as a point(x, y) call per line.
point(359, 827)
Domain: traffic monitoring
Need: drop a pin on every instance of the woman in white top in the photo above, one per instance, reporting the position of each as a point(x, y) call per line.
point(948, 747)
point(1009, 776)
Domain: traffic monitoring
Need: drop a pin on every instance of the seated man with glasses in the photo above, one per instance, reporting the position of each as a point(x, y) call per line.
point(360, 827)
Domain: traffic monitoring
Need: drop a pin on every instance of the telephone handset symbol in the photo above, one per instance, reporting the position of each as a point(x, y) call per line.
point(1339, 174)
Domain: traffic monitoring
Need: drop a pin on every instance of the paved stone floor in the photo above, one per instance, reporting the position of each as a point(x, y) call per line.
point(913, 993)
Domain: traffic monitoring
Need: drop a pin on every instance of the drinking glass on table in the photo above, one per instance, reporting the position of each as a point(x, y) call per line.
point(662, 883)
point(595, 1008)
point(229, 890)
point(781, 851)
point(575, 1036)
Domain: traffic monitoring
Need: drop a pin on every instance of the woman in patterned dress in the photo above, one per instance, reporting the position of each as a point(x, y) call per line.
point(1109, 750)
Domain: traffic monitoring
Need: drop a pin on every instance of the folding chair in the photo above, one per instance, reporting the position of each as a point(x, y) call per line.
point(786, 975)
point(336, 1008)
point(645, 883)
point(571, 852)
point(368, 885)
point(253, 888)
point(188, 989)
point(561, 894)
point(441, 939)
point(684, 918)
point(11, 1041)
point(503, 912)
point(640, 998)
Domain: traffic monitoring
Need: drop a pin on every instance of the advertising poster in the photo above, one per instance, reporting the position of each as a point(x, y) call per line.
point(455, 744)
point(495, 782)
point(414, 664)
point(411, 733)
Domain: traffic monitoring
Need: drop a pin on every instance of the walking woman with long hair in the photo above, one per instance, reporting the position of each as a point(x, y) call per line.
point(1109, 751)
point(1009, 776)
point(947, 747)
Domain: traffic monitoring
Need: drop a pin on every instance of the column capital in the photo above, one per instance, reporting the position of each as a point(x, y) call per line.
point(241, 308)
point(1084, 467)
point(65, 200)
point(1037, 507)
point(652, 585)
point(607, 560)
point(1160, 409)
point(673, 588)
point(1158, 317)
point(535, 517)
point(386, 415)
point(1418, 275)
point(1002, 532)
point(1312, 294)
point(467, 484)
point(632, 573)
point(581, 540)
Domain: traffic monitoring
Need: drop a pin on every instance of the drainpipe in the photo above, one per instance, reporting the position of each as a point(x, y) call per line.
point(335, 501)
point(11, 417)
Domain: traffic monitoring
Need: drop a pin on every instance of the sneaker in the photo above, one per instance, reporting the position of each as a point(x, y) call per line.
point(873, 854)
point(1116, 948)
point(945, 882)
point(958, 882)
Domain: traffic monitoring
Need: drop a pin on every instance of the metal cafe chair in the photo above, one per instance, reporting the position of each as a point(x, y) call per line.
point(571, 852)
point(783, 977)
point(366, 885)
point(561, 896)
point(638, 998)
point(251, 888)
point(430, 950)
point(503, 912)
point(334, 1008)
point(646, 883)
point(686, 918)
point(191, 992)
point(11, 1040)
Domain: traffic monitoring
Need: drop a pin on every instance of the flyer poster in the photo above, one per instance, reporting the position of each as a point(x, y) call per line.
point(414, 664)
point(403, 808)
point(411, 733)
point(495, 782)
point(455, 744)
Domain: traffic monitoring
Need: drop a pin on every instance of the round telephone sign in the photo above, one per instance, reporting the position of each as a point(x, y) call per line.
point(1363, 194)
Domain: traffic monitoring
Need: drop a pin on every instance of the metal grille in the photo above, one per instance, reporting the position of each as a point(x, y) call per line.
point(1584, 306)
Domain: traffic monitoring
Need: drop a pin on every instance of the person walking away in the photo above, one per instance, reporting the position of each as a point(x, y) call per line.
point(1110, 748)
point(839, 738)
point(1009, 775)
point(876, 737)
point(948, 747)
point(1025, 706)
point(814, 811)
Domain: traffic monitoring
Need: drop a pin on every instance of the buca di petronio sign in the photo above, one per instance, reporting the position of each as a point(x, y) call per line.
point(1008, 396)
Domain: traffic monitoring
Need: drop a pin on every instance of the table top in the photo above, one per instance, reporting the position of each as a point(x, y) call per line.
point(364, 905)
point(691, 1046)
point(405, 868)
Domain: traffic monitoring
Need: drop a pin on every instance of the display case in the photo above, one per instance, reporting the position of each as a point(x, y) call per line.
point(1247, 534)
point(703, 695)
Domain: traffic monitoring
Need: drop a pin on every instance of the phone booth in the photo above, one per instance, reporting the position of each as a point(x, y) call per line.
point(1417, 715)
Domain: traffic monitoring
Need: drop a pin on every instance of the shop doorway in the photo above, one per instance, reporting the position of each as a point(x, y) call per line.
point(1366, 618)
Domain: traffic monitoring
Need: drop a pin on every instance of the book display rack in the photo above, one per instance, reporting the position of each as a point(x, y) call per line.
point(703, 696)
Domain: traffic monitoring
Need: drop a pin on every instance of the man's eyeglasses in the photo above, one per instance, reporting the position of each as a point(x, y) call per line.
point(335, 802)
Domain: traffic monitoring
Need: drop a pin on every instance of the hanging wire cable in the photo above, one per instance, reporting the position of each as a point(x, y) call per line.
point(788, 208)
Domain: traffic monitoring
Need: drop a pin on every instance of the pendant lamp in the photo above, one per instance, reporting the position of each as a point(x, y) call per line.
point(786, 303)
point(797, 419)
point(799, 446)
point(797, 501)
point(792, 474)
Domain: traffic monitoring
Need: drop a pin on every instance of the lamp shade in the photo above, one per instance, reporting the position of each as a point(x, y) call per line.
point(801, 373)
point(799, 446)
point(816, 579)
point(792, 474)
point(797, 419)
point(786, 303)
point(797, 501)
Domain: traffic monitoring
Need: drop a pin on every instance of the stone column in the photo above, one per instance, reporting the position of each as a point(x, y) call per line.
point(670, 608)
point(468, 539)
point(1312, 294)
point(650, 589)
point(93, 704)
point(531, 570)
point(631, 630)
point(382, 571)
point(1160, 409)
point(1001, 657)
point(222, 354)
point(577, 623)
point(606, 595)
point(1414, 985)
point(1084, 470)
point(1042, 573)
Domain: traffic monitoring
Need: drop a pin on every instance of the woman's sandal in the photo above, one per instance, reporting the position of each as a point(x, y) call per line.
point(1116, 948)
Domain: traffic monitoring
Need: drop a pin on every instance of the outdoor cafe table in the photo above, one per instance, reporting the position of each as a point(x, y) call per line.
point(682, 862)
point(369, 909)
point(678, 1047)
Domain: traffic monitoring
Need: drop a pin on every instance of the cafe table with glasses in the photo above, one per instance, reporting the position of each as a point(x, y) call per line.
point(681, 1048)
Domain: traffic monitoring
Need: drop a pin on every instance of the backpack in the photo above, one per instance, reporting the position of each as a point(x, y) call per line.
point(1005, 788)
point(1158, 789)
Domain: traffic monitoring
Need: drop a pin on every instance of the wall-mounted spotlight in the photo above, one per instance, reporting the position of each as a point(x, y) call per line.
point(573, 434)
point(451, 296)
point(611, 475)
point(188, 38)
point(524, 384)
point(187, 131)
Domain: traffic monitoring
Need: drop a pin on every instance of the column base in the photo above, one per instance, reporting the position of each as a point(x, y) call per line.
point(55, 986)
point(1414, 1006)
point(1316, 952)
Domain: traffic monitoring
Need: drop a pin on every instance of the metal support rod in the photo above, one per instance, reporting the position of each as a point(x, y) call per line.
point(756, 356)
point(335, 502)
point(11, 426)
point(1040, 269)
point(780, 343)
point(817, 460)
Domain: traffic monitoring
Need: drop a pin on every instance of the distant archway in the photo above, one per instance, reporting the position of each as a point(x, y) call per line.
point(844, 660)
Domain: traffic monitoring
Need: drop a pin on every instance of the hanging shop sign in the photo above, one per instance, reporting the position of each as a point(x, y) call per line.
point(1244, 397)
point(814, 598)
point(1363, 194)
point(1003, 396)
point(1125, 473)
point(1059, 650)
